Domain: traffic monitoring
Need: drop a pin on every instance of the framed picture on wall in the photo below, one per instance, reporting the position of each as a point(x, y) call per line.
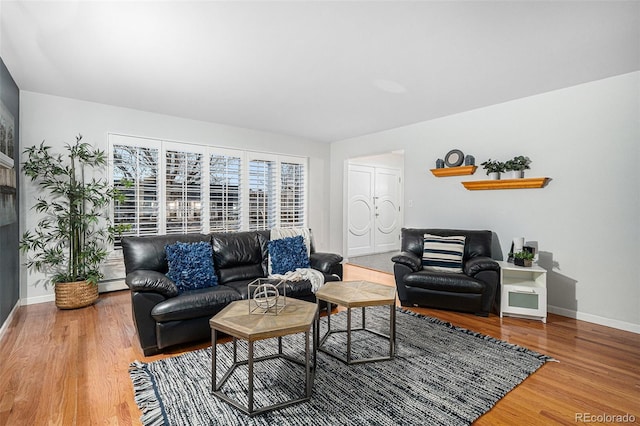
point(7, 170)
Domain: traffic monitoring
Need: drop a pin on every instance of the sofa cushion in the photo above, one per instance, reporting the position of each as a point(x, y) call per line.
point(195, 303)
point(239, 255)
point(443, 253)
point(288, 254)
point(148, 252)
point(296, 289)
point(191, 265)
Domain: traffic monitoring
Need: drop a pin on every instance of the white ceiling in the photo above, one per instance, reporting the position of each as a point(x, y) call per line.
point(324, 70)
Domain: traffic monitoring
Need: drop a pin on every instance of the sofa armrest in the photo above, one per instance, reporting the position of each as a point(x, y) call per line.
point(324, 262)
point(479, 264)
point(408, 259)
point(144, 280)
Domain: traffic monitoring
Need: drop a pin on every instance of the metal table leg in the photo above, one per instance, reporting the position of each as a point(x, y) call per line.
point(214, 340)
point(250, 366)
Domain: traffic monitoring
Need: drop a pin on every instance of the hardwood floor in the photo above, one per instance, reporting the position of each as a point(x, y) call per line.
point(71, 367)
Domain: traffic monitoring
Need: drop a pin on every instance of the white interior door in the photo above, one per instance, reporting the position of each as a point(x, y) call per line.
point(360, 210)
point(373, 210)
point(387, 210)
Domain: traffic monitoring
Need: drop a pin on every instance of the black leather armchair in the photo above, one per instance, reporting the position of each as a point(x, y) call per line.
point(473, 290)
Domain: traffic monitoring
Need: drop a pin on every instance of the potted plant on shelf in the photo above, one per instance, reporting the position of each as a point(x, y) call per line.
point(517, 165)
point(493, 168)
point(69, 241)
point(523, 258)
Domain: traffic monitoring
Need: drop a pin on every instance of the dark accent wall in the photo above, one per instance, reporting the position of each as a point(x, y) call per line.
point(9, 234)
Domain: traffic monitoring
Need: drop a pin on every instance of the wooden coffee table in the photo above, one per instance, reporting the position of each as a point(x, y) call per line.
point(358, 294)
point(235, 320)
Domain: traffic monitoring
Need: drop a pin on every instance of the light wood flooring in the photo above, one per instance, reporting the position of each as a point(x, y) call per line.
point(71, 367)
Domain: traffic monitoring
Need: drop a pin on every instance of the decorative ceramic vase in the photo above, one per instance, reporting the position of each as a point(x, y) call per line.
point(494, 175)
point(439, 163)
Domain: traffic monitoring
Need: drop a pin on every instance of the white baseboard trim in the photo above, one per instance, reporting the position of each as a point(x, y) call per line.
point(39, 299)
point(620, 325)
point(103, 287)
point(112, 285)
point(5, 325)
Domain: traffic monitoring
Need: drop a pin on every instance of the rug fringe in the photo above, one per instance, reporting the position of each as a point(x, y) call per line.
point(541, 357)
point(145, 395)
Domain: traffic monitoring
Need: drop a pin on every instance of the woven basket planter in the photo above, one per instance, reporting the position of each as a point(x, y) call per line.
point(75, 295)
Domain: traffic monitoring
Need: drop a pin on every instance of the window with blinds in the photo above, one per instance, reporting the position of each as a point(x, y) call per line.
point(183, 192)
point(225, 210)
point(135, 175)
point(177, 188)
point(262, 206)
point(292, 202)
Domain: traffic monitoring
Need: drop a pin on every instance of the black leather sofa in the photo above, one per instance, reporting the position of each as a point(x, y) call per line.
point(164, 318)
point(473, 290)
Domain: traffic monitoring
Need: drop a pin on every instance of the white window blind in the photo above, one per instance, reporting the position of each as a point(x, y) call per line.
point(171, 188)
point(292, 200)
point(225, 210)
point(183, 192)
point(262, 196)
point(135, 175)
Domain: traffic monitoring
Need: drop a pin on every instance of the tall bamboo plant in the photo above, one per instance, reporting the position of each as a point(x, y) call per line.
point(69, 242)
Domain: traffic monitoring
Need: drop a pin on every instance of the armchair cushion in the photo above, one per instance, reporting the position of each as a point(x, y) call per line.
point(191, 265)
point(443, 253)
point(409, 259)
point(479, 264)
point(444, 281)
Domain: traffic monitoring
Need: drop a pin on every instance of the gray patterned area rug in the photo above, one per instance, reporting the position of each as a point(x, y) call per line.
point(441, 375)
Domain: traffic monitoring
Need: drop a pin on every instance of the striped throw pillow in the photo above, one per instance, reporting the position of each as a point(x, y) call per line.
point(443, 253)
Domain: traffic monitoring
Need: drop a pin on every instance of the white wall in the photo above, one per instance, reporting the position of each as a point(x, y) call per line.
point(587, 220)
point(390, 161)
point(58, 120)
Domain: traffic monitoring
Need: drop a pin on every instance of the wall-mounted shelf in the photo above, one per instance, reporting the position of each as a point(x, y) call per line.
point(524, 183)
point(454, 171)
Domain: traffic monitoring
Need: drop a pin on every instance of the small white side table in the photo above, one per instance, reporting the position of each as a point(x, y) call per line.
point(523, 291)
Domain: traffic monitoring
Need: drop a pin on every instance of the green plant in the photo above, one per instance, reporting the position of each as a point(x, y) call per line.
point(69, 242)
point(517, 163)
point(524, 255)
point(493, 166)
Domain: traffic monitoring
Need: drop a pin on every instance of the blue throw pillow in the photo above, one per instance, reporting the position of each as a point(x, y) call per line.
point(288, 254)
point(191, 265)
